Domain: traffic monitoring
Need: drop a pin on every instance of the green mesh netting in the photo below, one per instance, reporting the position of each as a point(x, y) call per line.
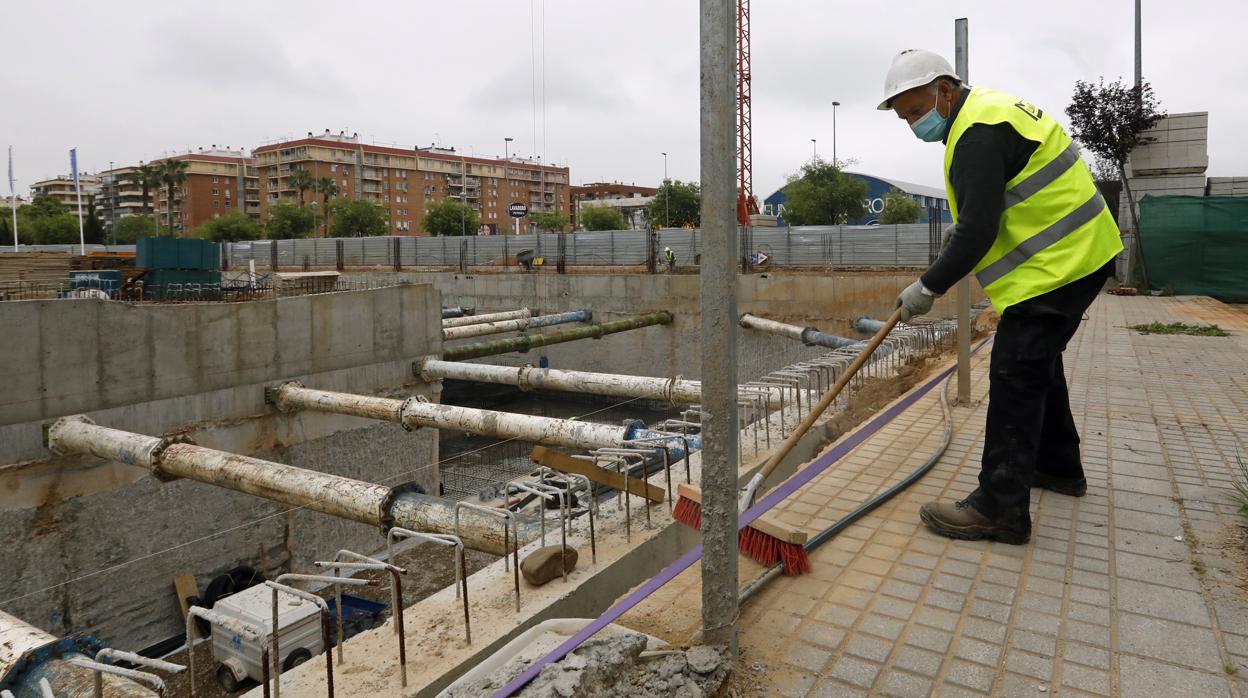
point(1196, 245)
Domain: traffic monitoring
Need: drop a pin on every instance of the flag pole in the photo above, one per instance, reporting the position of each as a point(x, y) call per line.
point(73, 164)
point(12, 199)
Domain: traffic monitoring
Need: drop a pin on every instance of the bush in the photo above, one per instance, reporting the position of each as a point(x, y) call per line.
point(601, 218)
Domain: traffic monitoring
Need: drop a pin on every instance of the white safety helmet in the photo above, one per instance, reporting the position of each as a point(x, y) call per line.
point(913, 68)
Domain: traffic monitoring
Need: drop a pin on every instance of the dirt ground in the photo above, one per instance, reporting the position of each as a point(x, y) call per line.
point(429, 568)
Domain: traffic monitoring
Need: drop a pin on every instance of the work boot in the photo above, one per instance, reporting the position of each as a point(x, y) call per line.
point(1072, 487)
point(962, 521)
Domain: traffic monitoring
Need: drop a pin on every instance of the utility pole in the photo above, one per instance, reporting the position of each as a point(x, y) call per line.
point(963, 299)
point(834, 106)
point(667, 196)
point(1139, 61)
point(718, 279)
point(507, 182)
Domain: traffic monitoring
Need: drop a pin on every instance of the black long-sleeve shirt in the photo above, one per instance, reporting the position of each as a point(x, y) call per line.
point(984, 159)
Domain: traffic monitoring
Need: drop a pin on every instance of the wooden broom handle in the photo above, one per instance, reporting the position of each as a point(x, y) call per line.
point(830, 395)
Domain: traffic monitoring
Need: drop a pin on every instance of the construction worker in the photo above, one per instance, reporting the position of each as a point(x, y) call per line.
point(671, 259)
point(1032, 227)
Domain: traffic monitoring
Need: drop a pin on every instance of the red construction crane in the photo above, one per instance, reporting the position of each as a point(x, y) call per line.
point(746, 203)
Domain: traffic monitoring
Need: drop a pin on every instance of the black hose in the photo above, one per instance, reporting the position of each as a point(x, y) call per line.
point(849, 519)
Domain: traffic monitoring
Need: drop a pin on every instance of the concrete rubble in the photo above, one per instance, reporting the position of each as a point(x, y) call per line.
point(615, 666)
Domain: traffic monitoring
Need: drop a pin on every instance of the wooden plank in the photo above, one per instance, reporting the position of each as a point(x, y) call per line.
point(567, 464)
point(185, 586)
point(764, 524)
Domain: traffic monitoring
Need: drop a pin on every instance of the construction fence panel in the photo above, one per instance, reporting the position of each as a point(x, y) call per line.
point(818, 246)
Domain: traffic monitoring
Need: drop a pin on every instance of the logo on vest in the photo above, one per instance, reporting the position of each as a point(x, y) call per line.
point(1030, 110)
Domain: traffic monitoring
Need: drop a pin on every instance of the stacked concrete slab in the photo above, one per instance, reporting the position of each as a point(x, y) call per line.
point(1228, 186)
point(1172, 163)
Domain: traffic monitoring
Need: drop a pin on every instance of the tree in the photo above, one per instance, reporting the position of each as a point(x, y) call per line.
point(823, 195)
point(1110, 120)
point(550, 220)
point(56, 230)
point(172, 176)
point(450, 217)
point(899, 209)
point(676, 204)
point(327, 187)
point(358, 218)
point(146, 178)
point(601, 218)
point(303, 181)
point(131, 228)
point(231, 227)
point(288, 221)
point(92, 227)
point(44, 206)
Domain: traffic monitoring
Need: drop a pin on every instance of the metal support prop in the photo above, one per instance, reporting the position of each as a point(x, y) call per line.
point(461, 577)
point(243, 629)
point(359, 562)
point(508, 518)
point(961, 57)
point(100, 668)
point(274, 649)
point(533, 341)
point(806, 335)
point(717, 39)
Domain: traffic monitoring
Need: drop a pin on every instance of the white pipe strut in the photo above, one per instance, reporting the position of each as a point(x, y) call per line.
point(488, 317)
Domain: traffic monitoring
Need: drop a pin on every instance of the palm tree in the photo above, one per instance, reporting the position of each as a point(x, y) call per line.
point(172, 175)
point(327, 187)
point(146, 177)
point(303, 181)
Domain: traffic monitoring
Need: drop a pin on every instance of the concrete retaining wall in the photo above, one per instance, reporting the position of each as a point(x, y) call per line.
point(95, 545)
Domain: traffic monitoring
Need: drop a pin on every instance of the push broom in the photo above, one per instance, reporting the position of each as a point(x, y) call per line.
point(764, 541)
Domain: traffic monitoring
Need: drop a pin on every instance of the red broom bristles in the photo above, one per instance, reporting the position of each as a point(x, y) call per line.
point(754, 544)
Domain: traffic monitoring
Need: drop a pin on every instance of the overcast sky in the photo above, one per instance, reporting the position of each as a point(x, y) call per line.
point(133, 80)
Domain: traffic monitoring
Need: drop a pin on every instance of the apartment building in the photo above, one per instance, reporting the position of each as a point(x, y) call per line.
point(120, 197)
point(405, 181)
point(630, 199)
point(62, 189)
point(218, 181)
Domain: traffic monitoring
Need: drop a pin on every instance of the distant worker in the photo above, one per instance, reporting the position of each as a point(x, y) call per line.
point(671, 259)
point(1031, 225)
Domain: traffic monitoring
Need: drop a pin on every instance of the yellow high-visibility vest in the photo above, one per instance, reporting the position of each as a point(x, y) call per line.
point(1056, 227)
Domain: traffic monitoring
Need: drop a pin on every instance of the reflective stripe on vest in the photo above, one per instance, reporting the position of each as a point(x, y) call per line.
point(1055, 227)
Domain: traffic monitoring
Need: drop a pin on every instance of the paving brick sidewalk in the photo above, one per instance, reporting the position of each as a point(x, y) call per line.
point(1131, 590)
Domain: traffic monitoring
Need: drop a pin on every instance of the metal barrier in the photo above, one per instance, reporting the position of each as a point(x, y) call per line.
point(810, 246)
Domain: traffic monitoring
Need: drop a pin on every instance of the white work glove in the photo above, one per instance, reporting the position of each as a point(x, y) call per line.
point(915, 300)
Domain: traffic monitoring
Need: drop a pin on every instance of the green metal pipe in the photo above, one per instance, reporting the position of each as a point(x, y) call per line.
point(533, 341)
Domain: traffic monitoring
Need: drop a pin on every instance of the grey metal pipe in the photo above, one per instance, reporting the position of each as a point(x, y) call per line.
point(867, 325)
point(355, 500)
point(414, 413)
point(517, 325)
point(533, 341)
point(674, 390)
point(451, 312)
point(462, 319)
point(807, 335)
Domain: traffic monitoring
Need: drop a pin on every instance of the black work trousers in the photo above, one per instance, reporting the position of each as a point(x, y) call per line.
point(1030, 427)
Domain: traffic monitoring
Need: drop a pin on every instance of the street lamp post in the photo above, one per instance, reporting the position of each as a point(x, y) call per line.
point(814, 150)
point(834, 106)
point(507, 181)
point(667, 196)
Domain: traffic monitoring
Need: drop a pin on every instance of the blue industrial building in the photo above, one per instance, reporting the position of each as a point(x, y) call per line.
point(928, 198)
